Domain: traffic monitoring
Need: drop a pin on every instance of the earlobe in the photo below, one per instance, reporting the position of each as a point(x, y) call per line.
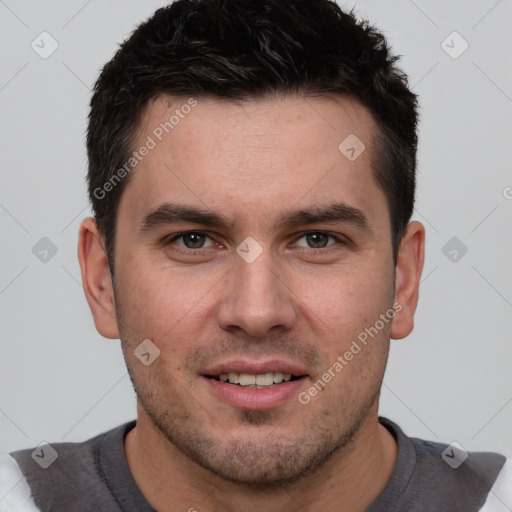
point(96, 278)
point(408, 273)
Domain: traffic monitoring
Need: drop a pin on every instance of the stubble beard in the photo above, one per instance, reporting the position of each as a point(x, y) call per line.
point(261, 462)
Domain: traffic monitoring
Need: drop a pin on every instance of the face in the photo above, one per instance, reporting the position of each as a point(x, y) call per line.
point(249, 245)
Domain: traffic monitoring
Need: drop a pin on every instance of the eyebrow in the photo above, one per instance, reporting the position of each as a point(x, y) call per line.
point(172, 213)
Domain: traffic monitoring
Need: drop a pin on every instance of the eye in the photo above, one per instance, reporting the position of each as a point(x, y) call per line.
point(192, 240)
point(196, 240)
point(318, 240)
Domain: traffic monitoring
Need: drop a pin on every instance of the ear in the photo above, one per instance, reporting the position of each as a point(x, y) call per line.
point(96, 279)
point(409, 266)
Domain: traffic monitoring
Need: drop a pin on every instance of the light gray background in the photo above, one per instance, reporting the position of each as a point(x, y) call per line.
point(450, 380)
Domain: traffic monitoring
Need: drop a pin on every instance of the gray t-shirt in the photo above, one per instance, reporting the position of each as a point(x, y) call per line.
point(94, 476)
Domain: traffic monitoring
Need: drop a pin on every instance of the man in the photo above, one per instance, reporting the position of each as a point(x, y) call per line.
point(252, 175)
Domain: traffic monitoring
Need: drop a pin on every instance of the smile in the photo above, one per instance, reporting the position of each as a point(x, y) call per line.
point(259, 381)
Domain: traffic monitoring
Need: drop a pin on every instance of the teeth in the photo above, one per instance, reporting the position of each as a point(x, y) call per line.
point(278, 378)
point(266, 379)
point(234, 378)
point(247, 380)
point(260, 381)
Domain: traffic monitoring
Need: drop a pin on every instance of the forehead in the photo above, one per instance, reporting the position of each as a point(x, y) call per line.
point(254, 158)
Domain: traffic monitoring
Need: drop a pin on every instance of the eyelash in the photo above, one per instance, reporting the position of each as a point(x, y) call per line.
point(177, 236)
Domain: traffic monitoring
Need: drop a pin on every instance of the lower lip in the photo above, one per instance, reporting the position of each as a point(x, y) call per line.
point(255, 399)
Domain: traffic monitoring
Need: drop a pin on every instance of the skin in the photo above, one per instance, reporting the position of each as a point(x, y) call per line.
point(253, 161)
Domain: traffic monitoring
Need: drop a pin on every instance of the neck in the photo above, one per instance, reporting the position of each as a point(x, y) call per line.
point(352, 478)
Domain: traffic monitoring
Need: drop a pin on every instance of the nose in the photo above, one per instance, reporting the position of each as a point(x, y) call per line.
point(256, 298)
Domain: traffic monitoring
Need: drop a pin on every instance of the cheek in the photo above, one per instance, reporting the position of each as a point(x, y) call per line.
point(346, 302)
point(165, 304)
point(144, 293)
point(143, 304)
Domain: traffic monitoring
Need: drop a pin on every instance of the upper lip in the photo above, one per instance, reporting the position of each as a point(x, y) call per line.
point(253, 368)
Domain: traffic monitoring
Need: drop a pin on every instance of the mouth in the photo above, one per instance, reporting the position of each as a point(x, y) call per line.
point(255, 386)
point(255, 381)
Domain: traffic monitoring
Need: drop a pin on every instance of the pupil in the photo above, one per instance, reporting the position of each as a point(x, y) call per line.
point(315, 239)
point(197, 240)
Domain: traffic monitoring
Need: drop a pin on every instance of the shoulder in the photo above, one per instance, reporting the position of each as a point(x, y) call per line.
point(479, 479)
point(440, 476)
point(15, 493)
point(70, 476)
point(454, 476)
point(499, 498)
